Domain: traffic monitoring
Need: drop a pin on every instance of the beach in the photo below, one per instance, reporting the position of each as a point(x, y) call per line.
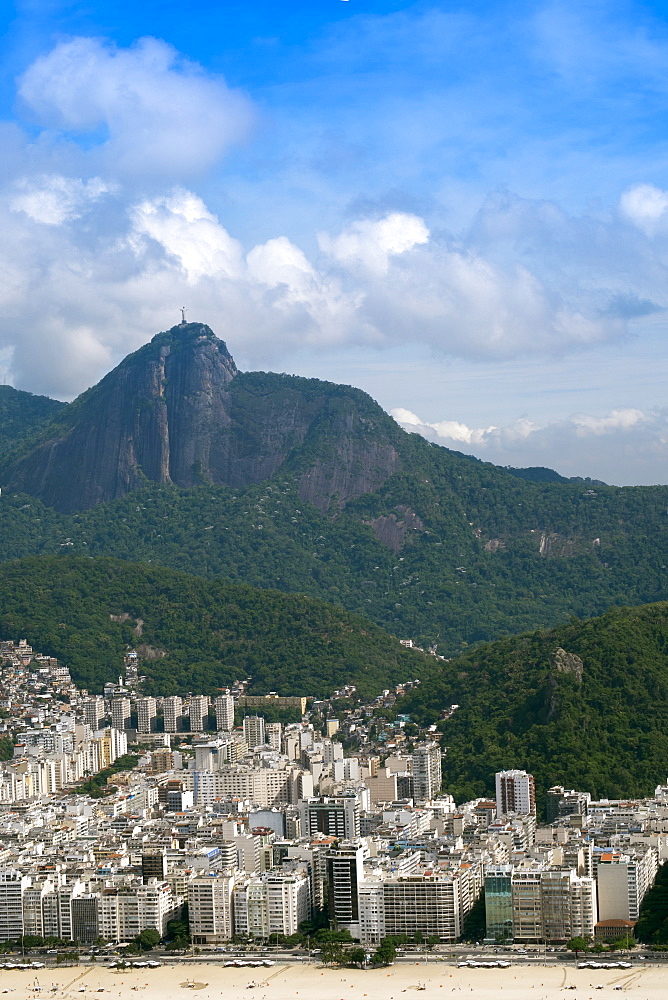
point(295, 982)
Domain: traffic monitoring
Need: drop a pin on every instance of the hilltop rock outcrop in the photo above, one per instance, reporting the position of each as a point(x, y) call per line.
point(178, 411)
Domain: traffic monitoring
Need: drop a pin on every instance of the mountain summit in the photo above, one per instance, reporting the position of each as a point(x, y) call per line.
point(178, 411)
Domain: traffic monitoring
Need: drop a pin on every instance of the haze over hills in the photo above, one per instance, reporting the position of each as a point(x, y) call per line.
point(177, 458)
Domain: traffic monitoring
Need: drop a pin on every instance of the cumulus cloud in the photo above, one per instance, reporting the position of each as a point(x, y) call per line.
point(189, 234)
point(645, 205)
point(105, 236)
point(53, 199)
point(145, 108)
point(622, 447)
point(373, 242)
point(118, 272)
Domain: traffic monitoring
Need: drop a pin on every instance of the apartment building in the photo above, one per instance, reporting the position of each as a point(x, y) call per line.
point(515, 793)
point(210, 907)
point(172, 708)
point(271, 904)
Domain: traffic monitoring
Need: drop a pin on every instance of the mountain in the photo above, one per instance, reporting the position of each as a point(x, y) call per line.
point(22, 413)
point(584, 705)
point(178, 411)
point(309, 487)
point(193, 634)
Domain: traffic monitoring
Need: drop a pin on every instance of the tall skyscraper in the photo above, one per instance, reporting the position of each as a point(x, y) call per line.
point(120, 713)
point(345, 871)
point(515, 792)
point(93, 710)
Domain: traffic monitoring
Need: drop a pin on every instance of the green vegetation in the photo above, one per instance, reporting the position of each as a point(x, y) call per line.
point(385, 953)
point(539, 474)
point(489, 554)
point(96, 786)
point(22, 414)
point(177, 933)
point(195, 635)
point(652, 925)
point(578, 944)
point(147, 939)
point(606, 733)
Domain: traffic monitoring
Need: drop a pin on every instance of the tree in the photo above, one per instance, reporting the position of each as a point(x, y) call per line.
point(385, 953)
point(332, 952)
point(577, 944)
point(148, 939)
point(625, 943)
point(357, 956)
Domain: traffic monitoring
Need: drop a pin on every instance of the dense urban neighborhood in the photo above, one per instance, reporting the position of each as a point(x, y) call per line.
point(129, 819)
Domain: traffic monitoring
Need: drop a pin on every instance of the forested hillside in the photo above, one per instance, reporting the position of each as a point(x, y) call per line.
point(193, 634)
point(177, 458)
point(584, 704)
point(23, 414)
point(454, 553)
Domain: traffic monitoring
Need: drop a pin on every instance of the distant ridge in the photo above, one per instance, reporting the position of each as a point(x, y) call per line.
point(540, 474)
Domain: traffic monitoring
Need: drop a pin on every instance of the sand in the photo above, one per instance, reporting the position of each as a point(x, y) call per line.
point(312, 982)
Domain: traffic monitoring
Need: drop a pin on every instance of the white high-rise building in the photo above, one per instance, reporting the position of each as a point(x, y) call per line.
point(427, 771)
point(172, 708)
point(515, 793)
point(120, 713)
point(12, 887)
point(210, 908)
point(272, 904)
point(146, 714)
point(93, 710)
point(198, 711)
point(552, 905)
point(126, 911)
point(254, 734)
point(225, 713)
point(261, 786)
point(622, 881)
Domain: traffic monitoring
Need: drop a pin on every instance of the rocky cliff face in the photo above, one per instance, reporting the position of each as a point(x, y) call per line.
point(178, 411)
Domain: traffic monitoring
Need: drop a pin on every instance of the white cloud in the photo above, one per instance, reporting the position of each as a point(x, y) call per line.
point(183, 226)
point(623, 447)
point(151, 111)
point(373, 242)
point(617, 420)
point(90, 268)
point(53, 199)
point(381, 282)
point(645, 205)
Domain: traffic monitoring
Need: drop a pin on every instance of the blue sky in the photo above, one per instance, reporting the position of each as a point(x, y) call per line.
point(462, 210)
